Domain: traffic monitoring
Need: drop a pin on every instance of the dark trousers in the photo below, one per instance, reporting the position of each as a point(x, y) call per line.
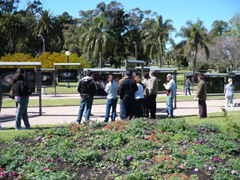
point(152, 105)
point(129, 104)
point(139, 107)
point(145, 107)
point(202, 108)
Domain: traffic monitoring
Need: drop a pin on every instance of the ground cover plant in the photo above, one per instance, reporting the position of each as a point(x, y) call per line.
point(136, 149)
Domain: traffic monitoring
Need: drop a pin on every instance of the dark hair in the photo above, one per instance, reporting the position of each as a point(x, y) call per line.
point(89, 73)
point(110, 78)
point(18, 75)
point(146, 75)
point(201, 76)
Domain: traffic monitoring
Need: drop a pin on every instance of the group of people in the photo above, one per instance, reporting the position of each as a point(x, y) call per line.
point(137, 96)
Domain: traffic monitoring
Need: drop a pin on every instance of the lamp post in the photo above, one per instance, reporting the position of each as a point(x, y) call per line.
point(67, 53)
point(135, 49)
point(39, 35)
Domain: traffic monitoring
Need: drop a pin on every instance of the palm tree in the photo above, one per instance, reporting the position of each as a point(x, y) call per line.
point(13, 28)
point(45, 25)
point(95, 39)
point(157, 35)
point(197, 39)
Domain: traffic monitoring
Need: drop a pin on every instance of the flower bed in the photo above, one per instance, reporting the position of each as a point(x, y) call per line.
point(137, 149)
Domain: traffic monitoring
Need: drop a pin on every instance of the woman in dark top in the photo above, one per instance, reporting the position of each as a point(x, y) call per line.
point(22, 92)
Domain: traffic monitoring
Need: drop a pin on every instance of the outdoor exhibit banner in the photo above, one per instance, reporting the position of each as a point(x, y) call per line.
point(67, 75)
point(215, 84)
point(47, 78)
point(101, 81)
point(6, 75)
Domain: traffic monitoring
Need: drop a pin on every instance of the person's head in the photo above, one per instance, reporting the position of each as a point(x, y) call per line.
point(128, 74)
point(230, 81)
point(169, 77)
point(20, 73)
point(138, 79)
point(89, 73)
point(152, 73)
point(146, 75)
point(201, 76)
point(110, 78)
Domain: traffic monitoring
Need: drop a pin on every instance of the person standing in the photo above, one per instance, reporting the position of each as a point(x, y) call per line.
point(187, 86)
point(139, 98)
point(127, 91)
point(152, 88)
point(122, 107)
point(87, 88)
point(145, 93)
point(171, 93)
point(111, 89)
point(22, 93)
point(229, 92)
point(202, 95)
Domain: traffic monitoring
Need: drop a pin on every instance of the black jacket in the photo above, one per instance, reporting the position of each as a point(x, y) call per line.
point(20, 88)
point(128, 88)
point(86, 87)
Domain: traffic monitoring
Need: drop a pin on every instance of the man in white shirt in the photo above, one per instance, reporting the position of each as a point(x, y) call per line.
point(171, 92)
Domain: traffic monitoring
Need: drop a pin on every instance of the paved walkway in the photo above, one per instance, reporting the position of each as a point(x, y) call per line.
point(68, 114)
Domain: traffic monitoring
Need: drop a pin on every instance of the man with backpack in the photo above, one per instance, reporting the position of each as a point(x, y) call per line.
point(87, 88)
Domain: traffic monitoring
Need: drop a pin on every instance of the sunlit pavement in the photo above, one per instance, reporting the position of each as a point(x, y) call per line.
point(68, 114)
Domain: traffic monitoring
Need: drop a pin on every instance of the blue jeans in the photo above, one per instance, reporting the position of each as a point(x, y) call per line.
point(122, 110)
point(111, 103)
point(187, 89)
point(22, 112)
point(84, 102)
point(170, 105)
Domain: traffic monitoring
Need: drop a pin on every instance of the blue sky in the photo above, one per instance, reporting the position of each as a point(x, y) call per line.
point(179, 11)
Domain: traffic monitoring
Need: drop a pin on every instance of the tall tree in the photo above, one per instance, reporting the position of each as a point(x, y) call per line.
point(14, 29)
point(219, 28)
point(96, 38)
point(45, 26)
point(158, 35)
point(234, 26)
point(196, 35)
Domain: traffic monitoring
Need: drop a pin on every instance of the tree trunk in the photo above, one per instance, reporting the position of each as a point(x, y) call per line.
point(194, 60)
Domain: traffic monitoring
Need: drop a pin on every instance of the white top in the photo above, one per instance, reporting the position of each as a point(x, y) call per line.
point(139, 93)
point(112, 90)
point(171, 85)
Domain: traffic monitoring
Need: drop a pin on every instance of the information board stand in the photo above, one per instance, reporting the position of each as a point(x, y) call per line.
point(38, 69)
point(64, 64)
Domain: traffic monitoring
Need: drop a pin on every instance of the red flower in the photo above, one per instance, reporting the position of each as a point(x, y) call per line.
point(185, 152)
point(168, 175)
point(169, 166)
point(49, 136)
point(1, 169)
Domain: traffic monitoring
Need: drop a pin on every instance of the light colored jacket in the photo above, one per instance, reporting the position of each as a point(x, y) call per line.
point(171, 86)
point(152, 86)
point(112, 90)
point(139, 93)
point(229, 90)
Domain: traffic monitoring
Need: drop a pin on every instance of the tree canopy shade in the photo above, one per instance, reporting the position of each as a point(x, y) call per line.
point(156, 36)
point(196, 39)
point(106, 34)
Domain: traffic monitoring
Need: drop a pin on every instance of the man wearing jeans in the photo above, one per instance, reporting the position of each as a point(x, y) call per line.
point(171, 92)
point(87, 89)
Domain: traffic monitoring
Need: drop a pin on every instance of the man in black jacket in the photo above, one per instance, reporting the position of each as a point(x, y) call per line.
point(87, 89)
point(127, 91)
